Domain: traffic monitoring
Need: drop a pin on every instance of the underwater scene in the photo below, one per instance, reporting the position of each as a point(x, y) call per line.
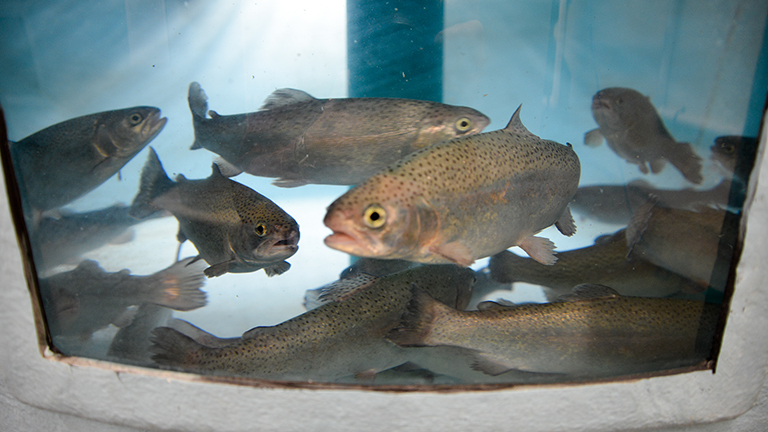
point(383, 192)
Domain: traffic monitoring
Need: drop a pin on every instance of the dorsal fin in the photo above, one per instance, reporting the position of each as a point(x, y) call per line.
point(515, 125)
point(285, 97)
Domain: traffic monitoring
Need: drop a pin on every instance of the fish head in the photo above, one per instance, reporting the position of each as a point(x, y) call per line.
point(272, 242)
point(123, 133)
point(385, 217)
point(266, 232)
point(443, 123)
point(618, 104)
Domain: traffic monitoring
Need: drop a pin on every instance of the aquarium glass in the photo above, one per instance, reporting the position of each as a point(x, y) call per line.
point(174, 168)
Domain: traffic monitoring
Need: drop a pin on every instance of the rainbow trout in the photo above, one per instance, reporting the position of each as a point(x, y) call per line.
point(302, 140)
point(604, 263)
point(593, 333)
point(634, 131)
point(461, 200)
point(335, 340)
point(234, 228)
point(65, 161)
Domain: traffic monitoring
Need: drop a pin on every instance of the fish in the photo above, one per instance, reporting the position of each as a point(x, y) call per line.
point(629, 122)
point(461, 200)
point(605, 262)
point(376, 267)
point(234, 228)
point(131, 343)
point(726, 151)
point(681, 241)
point(303, 140)
point(87, 299)
point(65, 161)
point(335, 340)
point(592, 333)
point(615, 204)
point(65, 239)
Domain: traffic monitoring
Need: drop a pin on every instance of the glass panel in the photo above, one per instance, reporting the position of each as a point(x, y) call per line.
point(639, 118)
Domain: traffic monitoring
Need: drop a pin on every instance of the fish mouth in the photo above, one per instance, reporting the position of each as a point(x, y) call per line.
point(153, 125)
point(278, 247)
point(599, 102)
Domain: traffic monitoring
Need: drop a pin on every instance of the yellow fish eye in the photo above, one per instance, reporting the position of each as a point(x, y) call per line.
point(463, 124)
point(728, 148)
point(261, 229)
point(135, 119)
point(374, 216)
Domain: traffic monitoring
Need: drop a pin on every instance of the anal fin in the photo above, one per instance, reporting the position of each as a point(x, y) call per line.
point(539, 249)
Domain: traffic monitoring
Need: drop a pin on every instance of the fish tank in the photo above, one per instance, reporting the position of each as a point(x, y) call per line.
point(382, 195)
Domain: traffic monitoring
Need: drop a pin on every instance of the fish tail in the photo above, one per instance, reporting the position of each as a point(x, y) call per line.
point(198, 105)
point(154, 182)
point(178, 286)
point(639, 223)
point(682, 156)
point(417, 320)
point(173, 348)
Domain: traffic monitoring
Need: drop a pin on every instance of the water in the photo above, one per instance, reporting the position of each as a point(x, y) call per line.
point(698, 62)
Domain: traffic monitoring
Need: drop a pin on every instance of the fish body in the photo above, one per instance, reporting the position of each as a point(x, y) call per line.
point(131, 343)
point(234, 228)
point(461, 200)
point(588, 335)
point(301, 140)
point(335, 340)
point(86, 299)
point(681, 241)
point(604, 263)
point(65, 161)
point(634, 131)
point(65, 239)
point(617, 203)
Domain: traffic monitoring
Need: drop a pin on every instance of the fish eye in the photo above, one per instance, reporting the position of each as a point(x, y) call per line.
point(375, 216)
point(261, 229)
point(135, 119)
point(463, 124)
point(728, 148)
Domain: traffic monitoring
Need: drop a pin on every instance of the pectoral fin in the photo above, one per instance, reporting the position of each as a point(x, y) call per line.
point(277, 269)
point(540, 249)
point(593, 138)
point(489, 365)
point(455, 252)
point(588, 292)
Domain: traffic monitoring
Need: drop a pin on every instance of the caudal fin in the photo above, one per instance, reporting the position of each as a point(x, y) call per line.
point(417, 320)
point(178, 286)
point(198, 105)
point(682, 156)
point(154, 182)
point(172, 348)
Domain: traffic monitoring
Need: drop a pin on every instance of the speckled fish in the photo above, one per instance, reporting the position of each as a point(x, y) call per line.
point(634, 131)
point(65, 161)
point(616, 204)
point(65, 239)
point(86, 299)
point(594, 332)
point(681, 241)
point(461, 200)
point(234, 228)
point(604, 263)
point(301, 140)
point(335, 340)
